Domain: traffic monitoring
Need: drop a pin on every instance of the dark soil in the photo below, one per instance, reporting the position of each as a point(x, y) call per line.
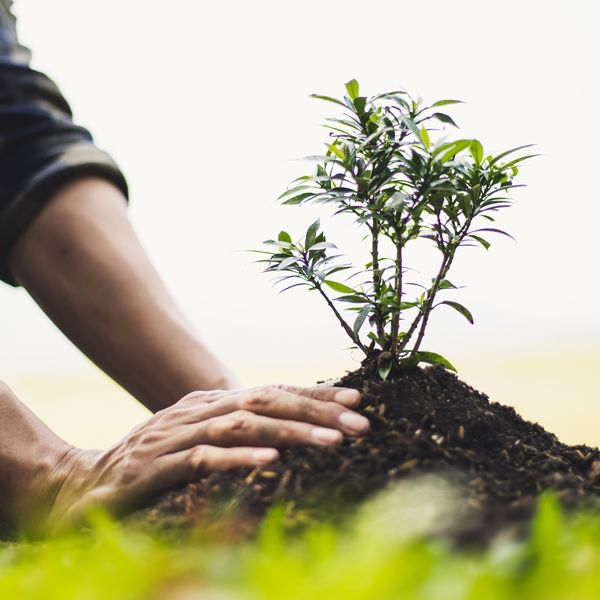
point(422, 421)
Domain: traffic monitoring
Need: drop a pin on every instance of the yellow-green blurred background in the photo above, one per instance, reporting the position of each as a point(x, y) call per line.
point(205, 107)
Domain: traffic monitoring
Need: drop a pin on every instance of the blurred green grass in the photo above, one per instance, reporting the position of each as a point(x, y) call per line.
point(559, 560)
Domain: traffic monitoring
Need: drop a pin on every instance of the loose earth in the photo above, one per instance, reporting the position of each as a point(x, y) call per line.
point(422, 421)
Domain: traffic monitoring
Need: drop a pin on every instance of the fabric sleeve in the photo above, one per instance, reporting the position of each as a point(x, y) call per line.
point(41, 148)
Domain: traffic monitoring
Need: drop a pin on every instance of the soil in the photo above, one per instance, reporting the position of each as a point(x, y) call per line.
point(422, 421)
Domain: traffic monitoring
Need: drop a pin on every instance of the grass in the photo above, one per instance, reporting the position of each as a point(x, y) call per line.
point(377, 555)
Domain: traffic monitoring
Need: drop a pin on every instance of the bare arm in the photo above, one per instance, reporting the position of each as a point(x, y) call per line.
point(81, 261)
point(83, 264)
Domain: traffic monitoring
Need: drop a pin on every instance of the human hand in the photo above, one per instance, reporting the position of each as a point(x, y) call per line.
point(203, 432)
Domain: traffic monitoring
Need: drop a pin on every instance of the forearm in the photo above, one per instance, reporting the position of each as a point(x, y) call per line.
point(83, 264)
point(30, 462)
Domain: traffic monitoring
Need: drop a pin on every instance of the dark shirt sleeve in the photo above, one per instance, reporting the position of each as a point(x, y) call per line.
point(41, 148)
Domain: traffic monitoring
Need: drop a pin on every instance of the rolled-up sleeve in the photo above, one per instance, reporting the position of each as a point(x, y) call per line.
point(41, 148)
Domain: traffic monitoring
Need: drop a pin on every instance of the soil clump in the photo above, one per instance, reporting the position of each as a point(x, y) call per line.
point(423, 421)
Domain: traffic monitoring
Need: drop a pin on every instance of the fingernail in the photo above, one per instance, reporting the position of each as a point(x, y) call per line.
point(353, 421)
point(347, 397)
point(264, 455)
point(326, 436)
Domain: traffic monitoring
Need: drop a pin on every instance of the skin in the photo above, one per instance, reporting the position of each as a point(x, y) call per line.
point(82, 262)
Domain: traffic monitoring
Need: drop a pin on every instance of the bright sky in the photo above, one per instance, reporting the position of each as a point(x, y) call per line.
point(205, 106)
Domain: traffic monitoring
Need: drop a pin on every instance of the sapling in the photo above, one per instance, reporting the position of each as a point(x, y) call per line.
point(389, 165)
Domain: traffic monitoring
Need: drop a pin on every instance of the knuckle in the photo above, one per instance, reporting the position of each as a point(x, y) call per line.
point(198, 458)
point(146, 437)
point(175, 413)
point(192, 397)
point(254, 401)
point(133, 464)
point(239, 420)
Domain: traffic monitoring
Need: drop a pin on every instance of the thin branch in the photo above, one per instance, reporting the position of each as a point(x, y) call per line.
point(376, 276)
point(343, 323)
point(398, 284)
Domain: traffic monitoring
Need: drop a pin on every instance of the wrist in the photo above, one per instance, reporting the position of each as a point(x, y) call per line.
point(69, 486)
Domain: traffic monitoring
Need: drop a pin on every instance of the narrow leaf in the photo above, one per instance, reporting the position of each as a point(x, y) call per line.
point(363, 313)
point(352, 89)
point(340, 287)
point(507, 152)
point(311, 234)
point(328, 99)
point(287, 262)
point(445, 102)
point(323, 246)
point(444, 118)
point(476, 151)
point(411, 125)
point(446, 285)
point(432, 358)
point(483, 242)
point(494, 230)
point(464, 311)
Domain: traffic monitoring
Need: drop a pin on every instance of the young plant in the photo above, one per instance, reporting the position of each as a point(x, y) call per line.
point(387, 166)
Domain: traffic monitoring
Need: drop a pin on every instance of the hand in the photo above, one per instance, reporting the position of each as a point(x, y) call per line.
point(203, 432)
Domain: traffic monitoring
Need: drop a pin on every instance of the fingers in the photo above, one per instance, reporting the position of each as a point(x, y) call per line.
point(172, 470)
point(281, 403)
point(346, 396)
point(245, 428)
point(188, 465)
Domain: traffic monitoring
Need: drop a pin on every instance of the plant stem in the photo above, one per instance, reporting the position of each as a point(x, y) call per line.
point(376, 276)
point(343, 323)
point(446, 262)
point(396, 315)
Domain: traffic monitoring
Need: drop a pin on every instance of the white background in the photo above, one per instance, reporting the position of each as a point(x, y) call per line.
point(205, 106)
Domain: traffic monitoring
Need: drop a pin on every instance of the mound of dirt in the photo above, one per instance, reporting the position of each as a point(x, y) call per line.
point(422, 421)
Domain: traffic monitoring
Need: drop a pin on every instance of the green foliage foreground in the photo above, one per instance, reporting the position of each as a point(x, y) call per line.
point(365, 559)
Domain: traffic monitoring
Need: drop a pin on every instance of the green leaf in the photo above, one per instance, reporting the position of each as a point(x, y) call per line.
point(284, 236)
point(446, 285)
point(384, 366)
point(465, 203)
point(295, 190)
point(445, 102)
point(444, 118)
point(352, 89)
point(360, 104)
point(287, 262)
point(476, 151)
point(432, 358)
point(463, 310)
point(494, 230)
point(425, 137)
point(340, 287)
point(352, 298)
point(298, 199)
point(328, 99)
point(512, 163)
point(322, 246)
point(363, 313)
point(451, 149)
point(507, 152)
point(411, 125)
point(483, 242)
point(337, 151)
point(311, 234)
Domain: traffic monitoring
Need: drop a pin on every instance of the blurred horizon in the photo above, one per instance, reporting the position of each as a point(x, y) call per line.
point(88, 409)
